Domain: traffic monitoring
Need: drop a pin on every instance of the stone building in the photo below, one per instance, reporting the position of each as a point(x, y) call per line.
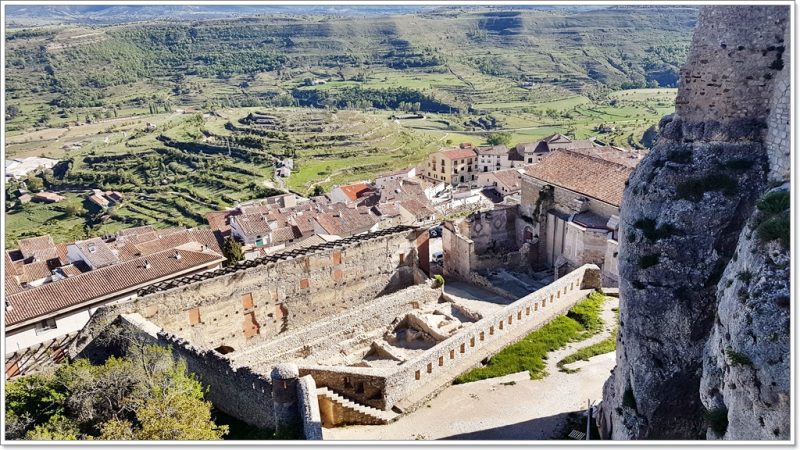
point(452, 166)
point(573, 201)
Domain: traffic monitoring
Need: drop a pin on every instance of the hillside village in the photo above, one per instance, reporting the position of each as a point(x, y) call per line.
point(314, 290)
point(501, 221)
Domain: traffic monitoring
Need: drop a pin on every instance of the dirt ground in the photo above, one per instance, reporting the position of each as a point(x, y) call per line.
point(510, 407)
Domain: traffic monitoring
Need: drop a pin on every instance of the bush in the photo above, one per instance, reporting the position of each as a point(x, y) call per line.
point(717, 420)
point(774, 202)
point(653, 232)
point(438, 280)
point(775, 228)
point(737, 359)
point(647, 261)
point(693, 189)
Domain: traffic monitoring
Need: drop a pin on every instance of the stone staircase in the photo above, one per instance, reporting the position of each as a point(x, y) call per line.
point(336, 410)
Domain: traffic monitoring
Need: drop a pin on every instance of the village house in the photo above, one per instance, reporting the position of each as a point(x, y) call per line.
point(47, 197)
point(505, 182)
point(453, 166)
point(346, 221)
point(407, 173)
point(349, 193)
point(51, 290)
point(105, 199)
point(573, 199)
point(534, 152)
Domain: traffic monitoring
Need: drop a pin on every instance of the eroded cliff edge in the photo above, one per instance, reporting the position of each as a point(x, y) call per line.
point(703, 347)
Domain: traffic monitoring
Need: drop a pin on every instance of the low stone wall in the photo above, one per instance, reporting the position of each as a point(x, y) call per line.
point(437, 365)
point(324, 333)
point(363, 385)
point(309, 408)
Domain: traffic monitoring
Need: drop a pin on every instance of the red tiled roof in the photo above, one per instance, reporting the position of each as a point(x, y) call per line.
point(354, 191)
point(458, 153)
point(40, 248)
point(101, 284)
point(417, 209)
point(35, 271)
point(180, 238)
point(347, 221)
point(588, 175)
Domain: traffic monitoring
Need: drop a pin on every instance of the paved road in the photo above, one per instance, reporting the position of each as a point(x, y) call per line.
point(510, 407)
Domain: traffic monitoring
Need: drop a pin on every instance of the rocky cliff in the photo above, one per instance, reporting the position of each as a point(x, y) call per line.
point(703, 346)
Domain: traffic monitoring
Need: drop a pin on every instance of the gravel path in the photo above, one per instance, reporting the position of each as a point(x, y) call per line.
point(509, 407)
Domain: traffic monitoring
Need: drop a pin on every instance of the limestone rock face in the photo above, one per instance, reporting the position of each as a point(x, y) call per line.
point(684, 215)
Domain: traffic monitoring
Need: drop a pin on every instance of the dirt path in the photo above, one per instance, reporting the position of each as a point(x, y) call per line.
point(509, 407)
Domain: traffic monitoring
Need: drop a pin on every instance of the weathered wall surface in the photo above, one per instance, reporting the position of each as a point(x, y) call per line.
point(254, 305)
point(683, 217)
point(488, 240)
point(439, 365)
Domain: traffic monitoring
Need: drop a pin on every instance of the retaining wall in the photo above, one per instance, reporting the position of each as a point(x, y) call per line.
point(440, 364)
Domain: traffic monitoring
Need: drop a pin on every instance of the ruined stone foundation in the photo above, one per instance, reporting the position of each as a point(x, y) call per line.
point(703, 345)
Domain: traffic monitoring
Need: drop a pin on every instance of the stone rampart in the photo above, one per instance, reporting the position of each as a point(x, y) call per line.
point(446, 360)
point(324, 333)
point(240, 308)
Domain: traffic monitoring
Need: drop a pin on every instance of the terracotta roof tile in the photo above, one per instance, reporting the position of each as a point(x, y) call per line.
point(458, 153)
point(101, 284)
point(40, 248)
point(34, 271)
point(355, 190)
point(588, 175)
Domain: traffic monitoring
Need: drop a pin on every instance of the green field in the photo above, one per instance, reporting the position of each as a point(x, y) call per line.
point(85, 95)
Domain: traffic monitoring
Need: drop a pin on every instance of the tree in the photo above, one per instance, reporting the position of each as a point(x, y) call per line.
point(499, 139)
point(34, 184)
point(74, 210)
point(318, 190)
point(232, 250)
point(146, 394)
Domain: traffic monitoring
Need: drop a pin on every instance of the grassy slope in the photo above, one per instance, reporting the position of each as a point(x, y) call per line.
point(529, 354)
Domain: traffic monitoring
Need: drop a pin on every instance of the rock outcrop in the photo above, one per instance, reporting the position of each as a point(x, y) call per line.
point(704, 312)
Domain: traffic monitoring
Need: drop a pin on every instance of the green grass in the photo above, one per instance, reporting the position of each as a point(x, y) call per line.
point(529, 354)
point(607, 345)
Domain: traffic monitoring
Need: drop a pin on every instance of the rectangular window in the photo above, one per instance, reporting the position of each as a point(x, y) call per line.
point(46, 325)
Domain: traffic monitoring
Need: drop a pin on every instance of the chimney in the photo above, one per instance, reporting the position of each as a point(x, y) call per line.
point(177, 255)
point(146, 264)
point(92, 248)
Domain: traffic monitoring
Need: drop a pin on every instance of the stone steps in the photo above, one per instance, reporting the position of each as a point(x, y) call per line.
point(358, 414)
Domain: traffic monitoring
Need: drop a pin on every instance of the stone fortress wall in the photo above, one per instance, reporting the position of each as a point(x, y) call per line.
point(246, 307)
point(241, 391)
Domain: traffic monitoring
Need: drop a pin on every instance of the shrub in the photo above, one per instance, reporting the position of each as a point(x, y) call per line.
point(628, 400)
point(774, 202)
point(653, 232)
point(647, 261)
point(737, 359)
point(745, 276)
point(775, 228)
point(693, 189)
point(717, 420)
point(739, 165)
point(438, 280)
